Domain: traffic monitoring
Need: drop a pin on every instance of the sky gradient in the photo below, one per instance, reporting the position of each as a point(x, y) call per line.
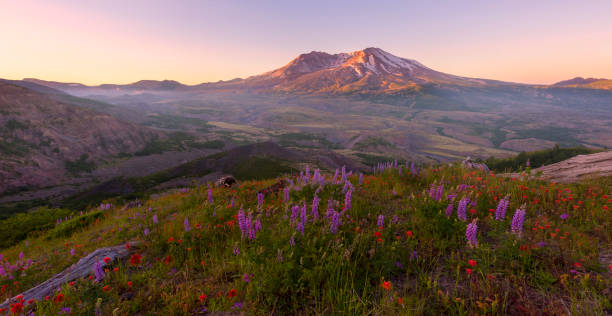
point(95, 42)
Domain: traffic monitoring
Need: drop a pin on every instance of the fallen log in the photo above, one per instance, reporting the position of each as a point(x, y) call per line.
point(81, 269)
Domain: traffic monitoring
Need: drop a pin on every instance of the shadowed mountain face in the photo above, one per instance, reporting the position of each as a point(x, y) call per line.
point(42, 139)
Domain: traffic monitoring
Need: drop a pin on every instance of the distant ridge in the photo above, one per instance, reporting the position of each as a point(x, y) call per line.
point(589, 83)
point(371, 71)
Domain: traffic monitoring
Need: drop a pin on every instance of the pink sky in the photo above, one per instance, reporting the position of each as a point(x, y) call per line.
point(195, 41)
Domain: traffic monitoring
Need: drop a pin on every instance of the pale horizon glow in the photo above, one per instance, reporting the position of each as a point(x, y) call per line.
point(95, 42)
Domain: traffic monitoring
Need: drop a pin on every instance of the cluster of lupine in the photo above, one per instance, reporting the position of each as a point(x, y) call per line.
point(517, 221)
point(436, 193)
point(7, 269)
point(470, 233)
point(462, 208)
point(105, 206)
point(248, 227)
point(304, 221)
point(502, 206)
point(260, 199)
point(381, 220)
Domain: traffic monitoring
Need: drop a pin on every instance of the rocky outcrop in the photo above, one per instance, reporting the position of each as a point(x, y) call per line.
point(577, 168)
point(471, 164)
point(225, 181)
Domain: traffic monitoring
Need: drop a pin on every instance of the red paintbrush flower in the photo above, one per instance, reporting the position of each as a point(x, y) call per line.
point(59, 298)
point(386, 285)
point(135, 259)
point(232, 293)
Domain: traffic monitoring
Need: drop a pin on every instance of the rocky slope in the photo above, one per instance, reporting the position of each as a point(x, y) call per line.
point(43, 140)
point(579, 167)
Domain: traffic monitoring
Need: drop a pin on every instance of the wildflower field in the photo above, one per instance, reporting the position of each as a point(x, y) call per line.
point(399, 241)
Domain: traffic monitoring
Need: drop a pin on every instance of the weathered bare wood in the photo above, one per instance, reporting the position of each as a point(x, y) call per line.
point(81, 269)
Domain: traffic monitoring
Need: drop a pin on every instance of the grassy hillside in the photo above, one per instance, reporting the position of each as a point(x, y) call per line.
point(392, 246)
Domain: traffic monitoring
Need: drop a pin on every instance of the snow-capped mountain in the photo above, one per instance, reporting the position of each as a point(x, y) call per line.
point(368, 71)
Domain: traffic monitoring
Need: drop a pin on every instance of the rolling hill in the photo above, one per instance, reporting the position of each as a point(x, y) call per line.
point(43, 141)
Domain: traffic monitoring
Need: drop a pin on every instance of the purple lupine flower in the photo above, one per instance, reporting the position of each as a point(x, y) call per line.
point(528, 163)
point(564, 216)
point(242, 222)
point(347, 200)
point(260, 199)
point(257, 225)
point(236, 250)
point(210, 199)
point(315, 208)
point(470, 234)
point(439, 192)
point(335, 176)
point(395, 219)
point(246, 277)
point(449, 210)
point(502, 206)
point(432, 191)
point(292, 241)
point(146, 231)
point(252, 233)
point(360, 178)
point(186, 224)
point(300, 228)
point(155, 218)
point(286, 194)
point(98, 271)
point(72, 252)
point(462, 209)
point(336, 221)
point(232, 202)
point(413, 255)
point(65, 310)
point(303, 214)
point(381, 220)
point(295, 212)
point(517, 221)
